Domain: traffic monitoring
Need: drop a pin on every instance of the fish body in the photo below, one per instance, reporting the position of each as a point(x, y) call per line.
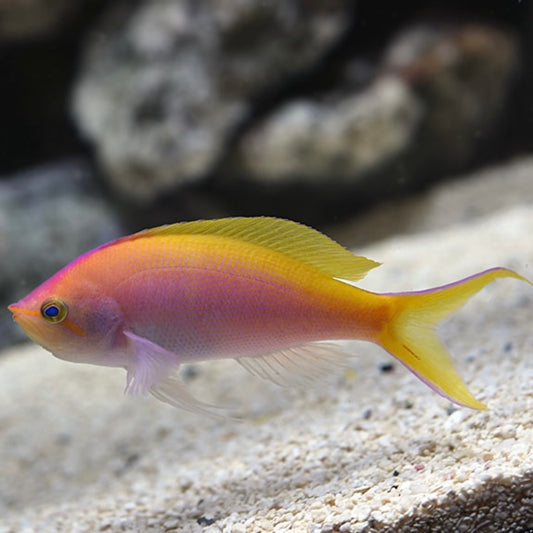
point(267, 292)
point(206, 298)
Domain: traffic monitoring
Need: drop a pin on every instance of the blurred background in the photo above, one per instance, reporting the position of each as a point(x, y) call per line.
point(119, 115)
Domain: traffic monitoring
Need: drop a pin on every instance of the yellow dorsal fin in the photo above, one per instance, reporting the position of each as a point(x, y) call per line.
point(284, 236)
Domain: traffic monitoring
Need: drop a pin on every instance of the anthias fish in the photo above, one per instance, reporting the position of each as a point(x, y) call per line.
point(265, 291)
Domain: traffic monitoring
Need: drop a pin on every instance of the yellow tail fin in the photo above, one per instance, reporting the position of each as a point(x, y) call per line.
point(411, 335)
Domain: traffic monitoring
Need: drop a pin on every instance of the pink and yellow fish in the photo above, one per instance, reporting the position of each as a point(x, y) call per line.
point(264, 291)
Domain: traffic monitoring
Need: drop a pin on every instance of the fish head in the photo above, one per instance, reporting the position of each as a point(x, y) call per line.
point(76, 321)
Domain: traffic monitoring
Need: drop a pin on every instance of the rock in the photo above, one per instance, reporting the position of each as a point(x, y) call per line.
point(331, 141)
point(463, 76)
point(164, 85)
point(48, 216)
point(374, 452)
point(438, 94)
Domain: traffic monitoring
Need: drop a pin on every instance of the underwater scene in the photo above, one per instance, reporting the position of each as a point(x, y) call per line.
point(266, 266)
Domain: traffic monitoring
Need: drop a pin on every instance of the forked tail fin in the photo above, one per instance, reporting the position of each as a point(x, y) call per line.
point(411, 335)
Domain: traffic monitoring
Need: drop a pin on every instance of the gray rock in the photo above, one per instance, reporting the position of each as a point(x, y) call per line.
point(334, 140)
point(436, 93)
point(48, 216)
point(165, 84)
point(462, 75)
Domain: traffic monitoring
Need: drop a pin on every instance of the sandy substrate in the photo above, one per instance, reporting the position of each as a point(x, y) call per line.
point(374, 450)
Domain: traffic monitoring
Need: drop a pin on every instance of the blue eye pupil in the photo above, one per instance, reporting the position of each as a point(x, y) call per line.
point(52, 311)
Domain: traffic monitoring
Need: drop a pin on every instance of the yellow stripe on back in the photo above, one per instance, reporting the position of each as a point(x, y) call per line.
point(294, 240)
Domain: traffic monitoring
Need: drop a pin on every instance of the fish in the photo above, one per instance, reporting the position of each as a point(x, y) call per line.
point(273, 294)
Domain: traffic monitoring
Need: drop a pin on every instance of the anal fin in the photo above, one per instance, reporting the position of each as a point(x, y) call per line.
point(302, 366)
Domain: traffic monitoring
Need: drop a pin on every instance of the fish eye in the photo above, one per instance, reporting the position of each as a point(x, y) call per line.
point(54, 310)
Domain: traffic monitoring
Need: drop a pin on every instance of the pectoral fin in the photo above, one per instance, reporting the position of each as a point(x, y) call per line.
point(148, 365)
point(155, 370)
point(173, 391)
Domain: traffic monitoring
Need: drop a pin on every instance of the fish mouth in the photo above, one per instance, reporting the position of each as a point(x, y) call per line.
point(15, 311)
point(18, 311)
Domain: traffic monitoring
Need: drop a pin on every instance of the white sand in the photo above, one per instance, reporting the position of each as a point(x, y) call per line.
point(372, 451)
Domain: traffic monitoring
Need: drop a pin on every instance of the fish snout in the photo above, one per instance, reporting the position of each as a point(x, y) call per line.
point(14, 310)
point(17, 311)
